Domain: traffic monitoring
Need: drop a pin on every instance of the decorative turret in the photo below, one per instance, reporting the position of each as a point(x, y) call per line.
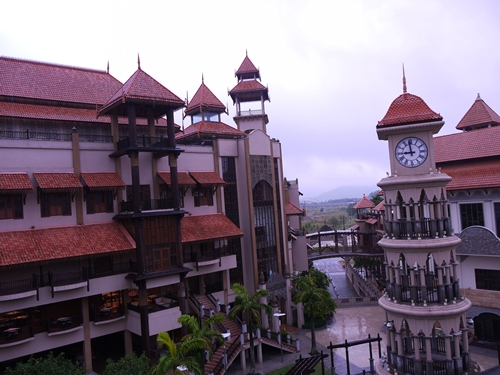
point(245, 94)
point(426, 330)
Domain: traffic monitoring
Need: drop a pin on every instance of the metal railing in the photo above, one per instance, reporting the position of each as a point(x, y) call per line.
point(415, 229)
point(18, 286)
point(64, 323)
point(234, 348)
point(53, 136)
point(142, 141)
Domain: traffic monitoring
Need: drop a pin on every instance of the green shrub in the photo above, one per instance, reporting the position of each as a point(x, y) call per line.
point(128, 365)
point(49, 365)
point(318, 323)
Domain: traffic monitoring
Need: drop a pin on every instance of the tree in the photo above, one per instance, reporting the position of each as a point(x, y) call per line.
point(49, 365)
point(249, 307)
point(376, 199)
point(179, 355)
point(311, 289)
point(203, 331)
point(128, 365)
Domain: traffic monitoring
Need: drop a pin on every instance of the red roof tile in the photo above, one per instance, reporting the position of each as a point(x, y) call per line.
point(58, 113)
point(380, 206)
point(57, 181)
point(207, 178)
point(479, 114)
point(142, 88)
point(15, 182)
point(100, 180)
point(183, 178)
point(208, 227)
point(38, 245)
point(207, 129)
point(291, 209)
point(408, 108)
point(476, 174)
point(363, 203)
point(371, 221)
point(478, 143)
point(247, 69)
point(37, 80)
point(249, 86)
point(206, 99)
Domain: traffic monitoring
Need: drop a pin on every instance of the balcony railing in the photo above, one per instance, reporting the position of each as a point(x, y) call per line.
point(415, 229)
point(251, 112)
point(63, 323)
point(148, 205)
point(142, 141)
point(53, 136)
point(103, 314)
point(18, 286)
point(13, 334)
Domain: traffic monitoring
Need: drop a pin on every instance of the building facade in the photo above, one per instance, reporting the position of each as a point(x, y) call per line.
point(114, 220)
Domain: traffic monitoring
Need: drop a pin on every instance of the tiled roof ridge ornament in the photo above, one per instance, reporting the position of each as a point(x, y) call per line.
point(404, 80)
point(107, 68)
point(138, 62)
point(478, 97)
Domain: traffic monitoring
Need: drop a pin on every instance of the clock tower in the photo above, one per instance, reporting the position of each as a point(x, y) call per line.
point(425, 309)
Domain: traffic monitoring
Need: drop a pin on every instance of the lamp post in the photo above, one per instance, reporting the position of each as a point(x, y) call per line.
point(226, 336)
point(280, 338)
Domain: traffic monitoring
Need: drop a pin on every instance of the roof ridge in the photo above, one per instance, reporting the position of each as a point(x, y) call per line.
point(37, 62)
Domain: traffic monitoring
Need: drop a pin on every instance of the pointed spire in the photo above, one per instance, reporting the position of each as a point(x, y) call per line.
point(202, 79)
point(107, 69)
point(138, 62)
point(246, 52)
point(404, 80)
point(478, 97)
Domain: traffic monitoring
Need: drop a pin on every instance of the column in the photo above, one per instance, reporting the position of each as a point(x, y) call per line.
point(87, 347)
point(263, 314)
point(288, 282)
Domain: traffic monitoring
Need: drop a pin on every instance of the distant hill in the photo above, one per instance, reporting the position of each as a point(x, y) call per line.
point(343, 192)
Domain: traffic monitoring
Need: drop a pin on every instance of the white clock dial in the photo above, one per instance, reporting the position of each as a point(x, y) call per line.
point(411, 152)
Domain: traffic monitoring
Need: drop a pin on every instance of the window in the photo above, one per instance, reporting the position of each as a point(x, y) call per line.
point(497, 218)
point(166, 194)
point(99, 201)
point(203, 196)
point(161, 259)
point(471, 214)
point(487, 279)
point(11, 206)
point(55, 204)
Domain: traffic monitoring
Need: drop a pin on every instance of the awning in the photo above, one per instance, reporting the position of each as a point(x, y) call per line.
point(13, 183)
point(182, 177)
point(371, 221)
point(291, 209)
point(57, 181)
point(102, 181)
point(197, 228)
point(207, 178)
point(38, 245)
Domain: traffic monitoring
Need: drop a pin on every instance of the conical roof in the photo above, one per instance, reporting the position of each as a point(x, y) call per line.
point(408, 108)
point(479, 115)
point(204, 98)
point(363, 203)
point(144, 91)
point(247, 70)
point(209, 130)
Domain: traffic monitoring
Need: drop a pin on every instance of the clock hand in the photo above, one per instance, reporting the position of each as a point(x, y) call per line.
point(411, 152)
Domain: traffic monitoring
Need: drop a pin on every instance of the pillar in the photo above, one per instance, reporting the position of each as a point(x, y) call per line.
point(127, 338)
point(263, 314)
point(288, 281)
point(300, 315)
point(87, 347)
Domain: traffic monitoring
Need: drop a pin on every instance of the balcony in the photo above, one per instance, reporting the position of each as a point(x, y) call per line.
point(207, 258)
point(54, 136)
point(17, 289)
point(157, 145)
point(149, 205)
point(107, 314)
point(63, 324)
point(414, 229)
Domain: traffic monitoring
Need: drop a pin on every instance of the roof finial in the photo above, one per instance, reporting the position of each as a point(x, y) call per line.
point(107, 69)
point(246, 52)
point(138, 62)
point(478, 97)
point(404, 80)
point(202, 79)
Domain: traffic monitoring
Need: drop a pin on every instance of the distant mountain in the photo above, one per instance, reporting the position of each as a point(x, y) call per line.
point(355, 192)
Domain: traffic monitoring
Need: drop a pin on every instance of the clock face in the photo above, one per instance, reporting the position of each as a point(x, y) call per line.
point(411, 152)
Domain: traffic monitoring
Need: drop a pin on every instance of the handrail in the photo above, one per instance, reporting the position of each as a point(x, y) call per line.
point(229, 352)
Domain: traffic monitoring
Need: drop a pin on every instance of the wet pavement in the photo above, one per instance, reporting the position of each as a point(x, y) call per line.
point(348, 323)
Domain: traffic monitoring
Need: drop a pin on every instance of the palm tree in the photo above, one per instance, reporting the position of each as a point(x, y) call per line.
point(179, 355)
point(311, 289)
point(249, 307)
point(203, 331)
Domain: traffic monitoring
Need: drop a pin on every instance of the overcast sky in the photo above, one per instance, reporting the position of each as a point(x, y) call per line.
point(332, 67)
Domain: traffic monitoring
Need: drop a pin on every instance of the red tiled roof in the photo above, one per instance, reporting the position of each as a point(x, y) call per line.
point(142, 88)
point(37, 80)
point(380, 206)
point(478, 143)
point(363, 203)
point(38, 245)
point(208, 227)
point(408, 108)
point(100, 180)
point(248, 86)
point(55, 181)
point(291, 209)
point(371, 221)
point(183, 178)
point(475, 174)
point(207, 178)
point(205, 129)
point(15, 182)
point(479, 114)
point(247, 67)
point(58, 113)
point(206, 99)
